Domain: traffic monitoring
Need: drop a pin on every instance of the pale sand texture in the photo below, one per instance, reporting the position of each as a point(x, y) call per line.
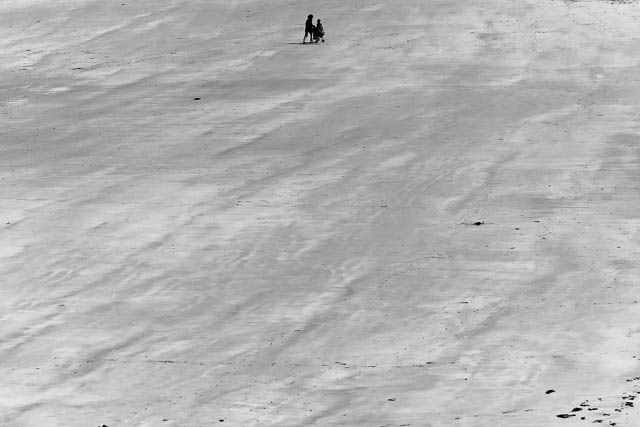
point(297, 248)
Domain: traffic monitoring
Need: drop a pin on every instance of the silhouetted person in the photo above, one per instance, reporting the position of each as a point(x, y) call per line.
point(308, 29)
point(319, 32)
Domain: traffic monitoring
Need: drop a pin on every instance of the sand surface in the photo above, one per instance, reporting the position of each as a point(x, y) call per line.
point(298, 246)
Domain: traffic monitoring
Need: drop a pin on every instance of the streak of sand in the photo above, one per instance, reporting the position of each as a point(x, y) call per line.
point(298, 246)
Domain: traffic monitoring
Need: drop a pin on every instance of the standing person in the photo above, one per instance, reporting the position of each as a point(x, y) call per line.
point(308, 29)
point(319, 33)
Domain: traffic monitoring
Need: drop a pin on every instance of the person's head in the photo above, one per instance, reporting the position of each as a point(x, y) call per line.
point(310, 16)
point(318, 20)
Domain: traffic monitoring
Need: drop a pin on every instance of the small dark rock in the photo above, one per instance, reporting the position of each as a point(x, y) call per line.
point(576, 410)
point(478, 223)
point(549, 391)
point(196, 99)
point(565, 415)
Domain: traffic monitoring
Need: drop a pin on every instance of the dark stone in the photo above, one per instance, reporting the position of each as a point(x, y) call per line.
point(576, 410)
point(549, 391)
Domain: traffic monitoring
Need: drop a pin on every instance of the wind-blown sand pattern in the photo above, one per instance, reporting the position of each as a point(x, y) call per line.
point(430, 220)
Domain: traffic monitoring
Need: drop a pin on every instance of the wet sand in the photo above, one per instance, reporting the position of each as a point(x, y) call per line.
point(430, 220)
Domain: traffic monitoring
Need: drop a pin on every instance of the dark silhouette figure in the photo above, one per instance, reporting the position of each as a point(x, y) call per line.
point(319, 32)
point(308, 29)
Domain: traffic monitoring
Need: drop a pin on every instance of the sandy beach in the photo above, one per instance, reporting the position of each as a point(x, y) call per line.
point(429, 220)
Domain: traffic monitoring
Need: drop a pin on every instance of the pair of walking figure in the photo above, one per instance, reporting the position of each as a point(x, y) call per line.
point(315, 32)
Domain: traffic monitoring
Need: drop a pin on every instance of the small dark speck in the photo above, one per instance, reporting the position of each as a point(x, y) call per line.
point(392, 399)
point(196, 99)
point(549, 391)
